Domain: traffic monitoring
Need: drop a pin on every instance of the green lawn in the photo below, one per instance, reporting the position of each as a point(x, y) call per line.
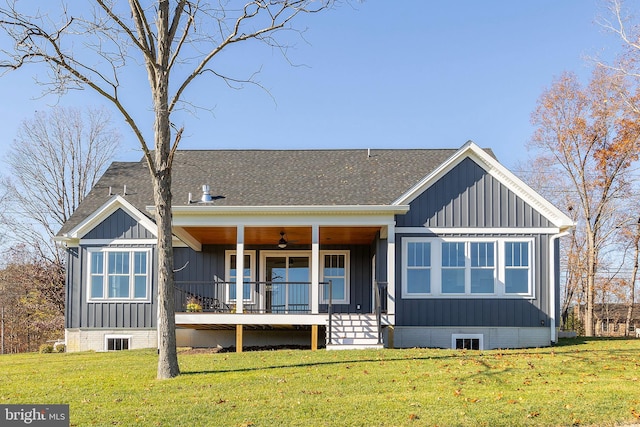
point(579, 382)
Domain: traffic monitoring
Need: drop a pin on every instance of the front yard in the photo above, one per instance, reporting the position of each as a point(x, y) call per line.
point(579, 382)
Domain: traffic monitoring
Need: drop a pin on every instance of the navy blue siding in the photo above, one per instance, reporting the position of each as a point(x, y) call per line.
point(83, 314)
point(119, 225)
point(467, 196)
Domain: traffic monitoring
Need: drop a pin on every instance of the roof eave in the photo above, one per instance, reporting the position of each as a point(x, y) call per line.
point(211, 209)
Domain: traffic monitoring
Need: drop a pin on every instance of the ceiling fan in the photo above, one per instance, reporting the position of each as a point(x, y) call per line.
point(282, 243)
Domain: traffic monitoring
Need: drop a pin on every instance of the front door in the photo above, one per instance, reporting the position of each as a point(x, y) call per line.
point(287, 276)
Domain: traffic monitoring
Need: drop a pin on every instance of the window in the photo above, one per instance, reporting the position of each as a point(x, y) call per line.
point(456, 267)
point(115, 343)
point(335, 268)
point(116, 274)
point(467, 341)
point(453, 268)
point(482, 267)
point(248, 275)
point(418, 268)
point(516, 270)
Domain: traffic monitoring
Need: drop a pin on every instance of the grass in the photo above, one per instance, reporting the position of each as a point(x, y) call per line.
point(579, 382)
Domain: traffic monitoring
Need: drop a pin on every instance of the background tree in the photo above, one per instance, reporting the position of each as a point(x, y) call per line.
point(57, 157)
point(178, 42)
point(31, 301)
point(590, 136)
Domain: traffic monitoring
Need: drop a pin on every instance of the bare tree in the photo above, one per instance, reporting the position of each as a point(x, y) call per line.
point(57, 157)
point(178, 42)
point(31, 301)
point(591, 137)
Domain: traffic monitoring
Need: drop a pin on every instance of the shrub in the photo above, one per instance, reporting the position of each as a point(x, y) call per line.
point(46, 348)
point(59, 347)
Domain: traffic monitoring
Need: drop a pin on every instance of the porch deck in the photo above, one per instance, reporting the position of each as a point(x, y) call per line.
point(268, 306)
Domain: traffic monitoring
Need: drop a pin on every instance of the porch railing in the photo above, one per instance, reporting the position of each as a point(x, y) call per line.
point(380, 290)
point(258, 297)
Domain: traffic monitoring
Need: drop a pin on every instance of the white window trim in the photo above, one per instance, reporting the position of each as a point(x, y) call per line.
point(114, 336)
point(499, 268)
point(347, 278)
point(479, 337)
point(227, 275)
point(105, 297)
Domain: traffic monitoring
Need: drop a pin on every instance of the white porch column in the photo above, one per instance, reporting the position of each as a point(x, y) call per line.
point(239, 268)
point(391, 269)
point(315, 269)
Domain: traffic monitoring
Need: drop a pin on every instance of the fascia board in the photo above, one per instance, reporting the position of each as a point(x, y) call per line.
point(498, 171)
point(259, 216)
point(288, 210)
point(113, 204)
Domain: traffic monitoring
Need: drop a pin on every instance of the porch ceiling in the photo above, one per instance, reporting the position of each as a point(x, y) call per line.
point(294, 235)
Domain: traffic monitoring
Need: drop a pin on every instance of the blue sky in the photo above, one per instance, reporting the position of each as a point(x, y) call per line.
point(417, 74)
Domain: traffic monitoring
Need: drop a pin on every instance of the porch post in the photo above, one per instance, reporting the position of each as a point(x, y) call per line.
point(315, 270)
point(239, 269)
point(391, 269)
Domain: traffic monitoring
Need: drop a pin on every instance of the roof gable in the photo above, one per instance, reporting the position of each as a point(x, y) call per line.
point(102, 213)
point(514, 184)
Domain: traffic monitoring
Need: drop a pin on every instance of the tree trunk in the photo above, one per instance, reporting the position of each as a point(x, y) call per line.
point(161, 171)
point(634, 275)
point(591, 277)
point(168, 357)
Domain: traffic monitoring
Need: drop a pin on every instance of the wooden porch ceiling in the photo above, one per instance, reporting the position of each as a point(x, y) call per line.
point(294, 235)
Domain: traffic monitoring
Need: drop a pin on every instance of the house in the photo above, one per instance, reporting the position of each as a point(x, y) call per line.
point(348, 248)
point(611, 319)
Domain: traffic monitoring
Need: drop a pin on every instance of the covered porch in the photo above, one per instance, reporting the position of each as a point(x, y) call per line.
point(293, 266)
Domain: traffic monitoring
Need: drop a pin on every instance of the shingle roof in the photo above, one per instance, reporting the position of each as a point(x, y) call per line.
point(272, 178)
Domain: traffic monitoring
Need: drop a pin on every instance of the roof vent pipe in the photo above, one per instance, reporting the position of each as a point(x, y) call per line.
point(206, 196)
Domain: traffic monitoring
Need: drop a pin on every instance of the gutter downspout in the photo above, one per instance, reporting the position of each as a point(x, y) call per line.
point(552, 284)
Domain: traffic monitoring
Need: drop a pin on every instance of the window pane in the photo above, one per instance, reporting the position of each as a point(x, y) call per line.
point(97, 287)
point(419, 281)
point(482, 254)
point(517, 254)
point(419, 254)
point(516, 281)
point(97, 263)
point(337, 288)
point(118, 263)
point(453, 281)
point(482, 281)
point(140, 287)
point(118, 286)
point(453, 254)
point(140, 262)
point(334, 265)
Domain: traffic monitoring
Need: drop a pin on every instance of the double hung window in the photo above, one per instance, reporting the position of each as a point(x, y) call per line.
point(117, 274)
point(458, 267)
point(335, 269)
point(248, 275)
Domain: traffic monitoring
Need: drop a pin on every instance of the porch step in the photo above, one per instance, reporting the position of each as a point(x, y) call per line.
point(353, 331)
